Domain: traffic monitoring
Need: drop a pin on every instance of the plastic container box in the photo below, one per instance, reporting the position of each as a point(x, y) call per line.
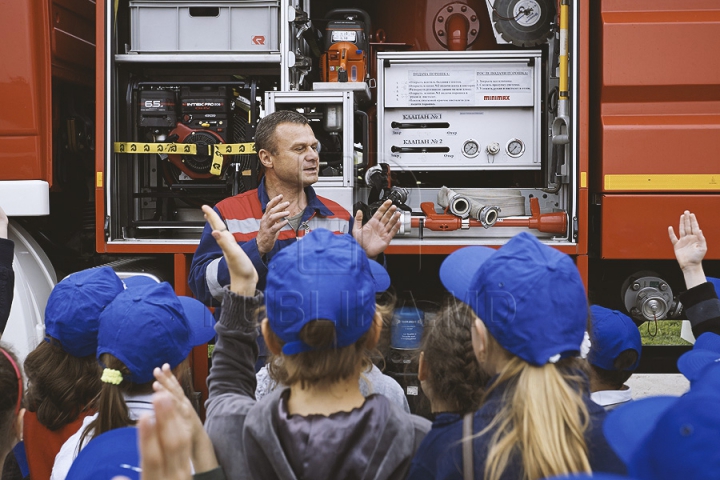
point(219, 26)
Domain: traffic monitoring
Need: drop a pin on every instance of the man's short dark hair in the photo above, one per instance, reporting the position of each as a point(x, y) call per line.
point(265, 132)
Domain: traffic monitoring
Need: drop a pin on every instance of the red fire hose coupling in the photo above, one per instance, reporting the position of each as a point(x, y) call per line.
point(555, 222)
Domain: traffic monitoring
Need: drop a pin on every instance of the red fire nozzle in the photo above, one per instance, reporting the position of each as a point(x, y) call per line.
point(555, 222)
point(441, 222)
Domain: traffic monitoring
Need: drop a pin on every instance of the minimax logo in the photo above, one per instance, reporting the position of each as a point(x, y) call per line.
point(496, 97)
point(258, 40)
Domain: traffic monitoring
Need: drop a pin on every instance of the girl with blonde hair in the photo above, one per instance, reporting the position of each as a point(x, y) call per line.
point(529, 313)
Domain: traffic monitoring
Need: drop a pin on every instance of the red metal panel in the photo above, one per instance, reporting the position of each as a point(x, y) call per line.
point(583, 265)
point(100, 244)
point(650, 47)
point(660, 88)
point(25, 83)
point(199, 354)
point(635, 226)
point(583, 160)
point(639, 144)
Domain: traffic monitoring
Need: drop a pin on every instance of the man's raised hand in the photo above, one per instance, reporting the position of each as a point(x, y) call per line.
point(376, 234)
point(272, 221)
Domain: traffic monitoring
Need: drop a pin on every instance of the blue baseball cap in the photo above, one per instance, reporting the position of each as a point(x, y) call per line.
point(627, 426)
point(72, 314)
point(662, 438)
point(529, 296)
point(716, 284)
point(149, 326)
point(322, 276)
point(139, 281)
point(113, 453)
point(613, 332)
point(705, 352)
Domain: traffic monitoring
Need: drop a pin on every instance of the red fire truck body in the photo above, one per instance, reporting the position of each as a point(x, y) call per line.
point(607, 127)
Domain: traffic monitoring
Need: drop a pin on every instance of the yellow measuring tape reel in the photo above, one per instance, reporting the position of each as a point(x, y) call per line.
point(219, 150)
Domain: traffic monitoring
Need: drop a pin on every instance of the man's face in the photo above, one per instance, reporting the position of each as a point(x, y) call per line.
point(295, 160)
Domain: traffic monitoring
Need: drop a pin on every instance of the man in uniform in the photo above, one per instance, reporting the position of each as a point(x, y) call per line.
point(282, 209)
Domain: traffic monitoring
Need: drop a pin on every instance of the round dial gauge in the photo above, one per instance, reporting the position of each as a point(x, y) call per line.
point(471, 148)
point(515, 148)
point(527, 13)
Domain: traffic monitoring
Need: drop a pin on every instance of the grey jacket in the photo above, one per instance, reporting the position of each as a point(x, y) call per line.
point(243, 430)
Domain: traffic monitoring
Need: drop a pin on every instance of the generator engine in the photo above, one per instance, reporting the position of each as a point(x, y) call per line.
point(346, 46)
point(202, 116)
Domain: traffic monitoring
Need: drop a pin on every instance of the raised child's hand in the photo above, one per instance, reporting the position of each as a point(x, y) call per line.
point(243, 276)
point(202, 453)
point(164, 443)
point(690, 249)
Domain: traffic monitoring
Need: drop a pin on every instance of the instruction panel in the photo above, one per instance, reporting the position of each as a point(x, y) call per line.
point(499, 84)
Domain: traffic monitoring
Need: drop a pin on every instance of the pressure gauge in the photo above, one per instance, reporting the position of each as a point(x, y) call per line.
point(515, 148)
point(527, 13)
point(471, 148)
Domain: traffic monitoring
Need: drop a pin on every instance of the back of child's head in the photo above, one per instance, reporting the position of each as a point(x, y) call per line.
point(615, 347)
point(532, 305)
point(11, 388)
point(320, 305)
point(60, 385)
point(63, 374)
point(454, 376)
point(144, 327)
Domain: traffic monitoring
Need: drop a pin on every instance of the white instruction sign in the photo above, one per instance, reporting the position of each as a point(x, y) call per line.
point(506, 84)
point(428, 88)
point(501, 85)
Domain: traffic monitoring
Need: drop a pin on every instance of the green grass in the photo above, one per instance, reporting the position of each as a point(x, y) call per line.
point(668, 333)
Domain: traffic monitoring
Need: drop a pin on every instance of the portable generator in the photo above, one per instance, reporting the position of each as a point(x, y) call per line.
point(201, 118)
point(346, 46)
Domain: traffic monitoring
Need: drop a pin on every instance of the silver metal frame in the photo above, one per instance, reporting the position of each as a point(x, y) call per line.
point(273, 99)
point(455, 58)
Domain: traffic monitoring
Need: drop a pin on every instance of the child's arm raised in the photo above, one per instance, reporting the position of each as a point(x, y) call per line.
point(243, 276)
point(231, 382)
point(700, 301)
point(690, 249)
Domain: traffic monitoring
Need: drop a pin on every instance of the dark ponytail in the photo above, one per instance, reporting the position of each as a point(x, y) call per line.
point(111, 407)
point(453, 371)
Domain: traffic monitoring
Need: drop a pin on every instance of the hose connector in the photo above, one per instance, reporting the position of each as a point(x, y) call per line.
point(465, 207)
point(486, 214)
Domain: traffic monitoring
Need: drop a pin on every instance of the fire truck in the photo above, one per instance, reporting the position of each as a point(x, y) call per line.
point(589, 124)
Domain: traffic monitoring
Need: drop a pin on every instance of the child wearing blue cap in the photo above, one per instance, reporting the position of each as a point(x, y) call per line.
point(529, 313)
point(320, 317)
point(143, 328)
point(63, 374)
point(614, 355)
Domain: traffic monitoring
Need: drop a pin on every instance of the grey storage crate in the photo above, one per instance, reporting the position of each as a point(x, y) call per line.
point(219, 26)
